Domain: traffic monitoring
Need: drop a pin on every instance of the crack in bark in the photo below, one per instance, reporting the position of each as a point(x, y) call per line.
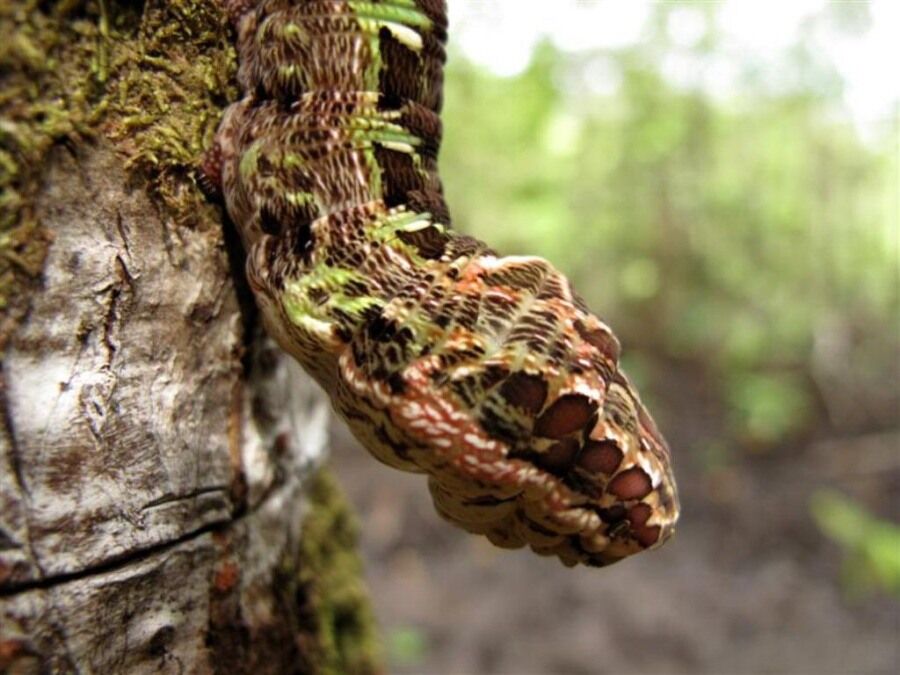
point(172, 498)
point(117, 304)
point(113, 564)
point(138, 555)
point(120, 227)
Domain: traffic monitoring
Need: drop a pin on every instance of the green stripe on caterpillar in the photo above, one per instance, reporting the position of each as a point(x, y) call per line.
point(487, 373)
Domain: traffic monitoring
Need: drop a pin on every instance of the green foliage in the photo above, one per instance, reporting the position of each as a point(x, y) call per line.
point(407, 646)
point(744, 236)
point(872, 546)
point(750, 241)
point(767, 407)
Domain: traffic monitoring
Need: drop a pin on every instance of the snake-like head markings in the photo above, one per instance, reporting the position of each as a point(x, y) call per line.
point(495, 382)
point(487, 373)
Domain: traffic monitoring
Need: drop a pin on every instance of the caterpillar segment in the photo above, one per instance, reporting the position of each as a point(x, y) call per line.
point(487, 373)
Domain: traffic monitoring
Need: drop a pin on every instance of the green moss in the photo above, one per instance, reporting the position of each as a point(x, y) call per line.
point(334, 605)
point(167, 87)
point(150, 78)
point(40, 51)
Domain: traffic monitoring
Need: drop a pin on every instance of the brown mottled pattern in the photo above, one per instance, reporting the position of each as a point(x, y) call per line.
point(487, 373)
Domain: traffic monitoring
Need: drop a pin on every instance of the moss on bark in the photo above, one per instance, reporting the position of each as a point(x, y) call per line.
point(152, 79)
point(334, 603)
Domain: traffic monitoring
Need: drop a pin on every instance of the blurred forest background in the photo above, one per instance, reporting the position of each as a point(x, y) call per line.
point(733, 210)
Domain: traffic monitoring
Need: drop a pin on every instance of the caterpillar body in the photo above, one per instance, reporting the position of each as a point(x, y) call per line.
point(487, 373)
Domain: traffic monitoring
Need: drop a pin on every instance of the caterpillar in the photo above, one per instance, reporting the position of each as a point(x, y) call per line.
point(487, 373)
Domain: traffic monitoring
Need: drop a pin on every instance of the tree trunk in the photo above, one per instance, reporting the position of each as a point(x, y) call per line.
point(160, 508)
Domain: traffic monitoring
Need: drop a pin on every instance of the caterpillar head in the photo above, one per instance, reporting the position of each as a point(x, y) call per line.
point(510, 396)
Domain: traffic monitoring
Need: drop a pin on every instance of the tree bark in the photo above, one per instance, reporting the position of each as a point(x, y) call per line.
point(158, 509)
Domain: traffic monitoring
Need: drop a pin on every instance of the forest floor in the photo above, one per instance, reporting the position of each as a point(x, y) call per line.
point(748, 585)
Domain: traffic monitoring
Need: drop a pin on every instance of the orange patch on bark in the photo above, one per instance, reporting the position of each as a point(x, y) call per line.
point(226, 577)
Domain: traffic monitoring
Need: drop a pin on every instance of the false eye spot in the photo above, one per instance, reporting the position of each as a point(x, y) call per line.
point(639, 514)
point(647, 536)
point(600, 457)
point(633, 483)
point(524, 391)
point(567, 414)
